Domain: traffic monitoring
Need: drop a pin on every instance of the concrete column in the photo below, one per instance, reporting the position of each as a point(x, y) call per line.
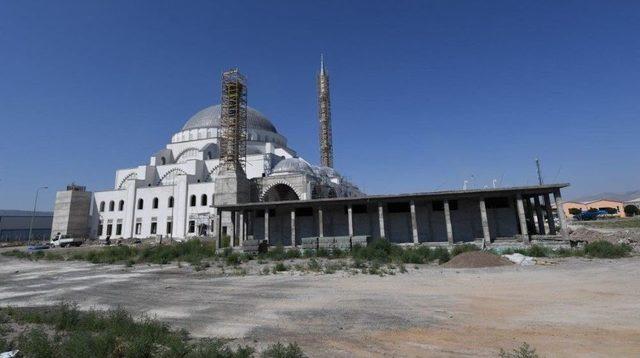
point(447, 219)
point(381, 219)
point(234, 225)
point(350, 219)
point(242, 229)
point(539, 216)
point(414, 222)
point(521, 218)
point(551, 222)
point(219, 228)
point(320, 223)
point(293, 227)
point(266, 225)
point(563, 222)
point(485, 223)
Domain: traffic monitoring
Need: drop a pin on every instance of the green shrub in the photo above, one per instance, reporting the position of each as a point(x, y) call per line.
point(539, 251)
point(458, 249)
point(293, 254)
point(314, 265)
point(279, 350)
point(441, 254)
point(234, 259)
point(524, 351)
point(280, 266)
point(605, 249)
point(36, 344)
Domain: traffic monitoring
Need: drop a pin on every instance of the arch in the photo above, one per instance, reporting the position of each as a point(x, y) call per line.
point(102, 206)
point(175, 172)
point(140, 204)
point(111, 205)
point(121, 205)
point(280, 191)
point(192, 200)
point(213, 170)
point(163, 160)
point(130, 176)
point(170, 202)
point(154, 203)
point(187, 154)
point(203, 200)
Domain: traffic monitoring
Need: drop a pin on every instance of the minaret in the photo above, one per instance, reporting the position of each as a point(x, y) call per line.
point(324, 116)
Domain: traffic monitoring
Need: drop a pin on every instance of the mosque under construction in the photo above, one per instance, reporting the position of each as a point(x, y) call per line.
point(229, 173)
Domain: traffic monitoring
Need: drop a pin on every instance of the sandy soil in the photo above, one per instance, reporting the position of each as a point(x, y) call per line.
point(577, 307)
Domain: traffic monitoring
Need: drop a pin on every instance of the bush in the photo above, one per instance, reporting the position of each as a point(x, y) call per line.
point(280, 266)
point(524, 351)
point(538, 251)
point(575, 211)
point(631, 210)
point(293, 254)
point(605, 249)
point(279, 350)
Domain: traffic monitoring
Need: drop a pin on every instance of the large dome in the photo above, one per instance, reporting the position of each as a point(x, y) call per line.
point(210, 117)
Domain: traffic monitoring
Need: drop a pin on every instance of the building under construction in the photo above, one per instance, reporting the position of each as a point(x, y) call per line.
point(228, 172)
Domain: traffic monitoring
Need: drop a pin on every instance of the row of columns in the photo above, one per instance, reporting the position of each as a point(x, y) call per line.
point(239, 217)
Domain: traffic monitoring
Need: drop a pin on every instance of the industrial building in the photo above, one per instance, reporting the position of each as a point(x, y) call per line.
point(15, 224)
point(228, 172)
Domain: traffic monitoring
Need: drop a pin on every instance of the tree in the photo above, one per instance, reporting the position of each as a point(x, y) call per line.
point(631, 210)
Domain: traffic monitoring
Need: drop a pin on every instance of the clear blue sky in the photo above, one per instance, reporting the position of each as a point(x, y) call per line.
point(425, 94)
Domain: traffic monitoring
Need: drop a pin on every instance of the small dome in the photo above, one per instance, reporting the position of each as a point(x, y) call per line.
point(210, 118)
point(292, 165)
point(326, 171)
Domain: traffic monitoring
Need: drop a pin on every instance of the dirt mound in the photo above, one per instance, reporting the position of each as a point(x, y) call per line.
point(626, 236)
point(475, 259)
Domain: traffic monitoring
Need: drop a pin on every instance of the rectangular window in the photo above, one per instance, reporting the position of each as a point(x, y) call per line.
point(303, 212)
point(109, 227)
point(438, 205)
point(356, 209)
point(100, 229)
point(398, 207)
point(118, 229)
point(192, 226)
point(154, 228)
point(169, 227)
point(138, 228)
point(495, 203)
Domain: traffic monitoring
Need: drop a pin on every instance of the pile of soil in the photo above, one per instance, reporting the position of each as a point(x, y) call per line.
point(626, 236)
point(474, 259)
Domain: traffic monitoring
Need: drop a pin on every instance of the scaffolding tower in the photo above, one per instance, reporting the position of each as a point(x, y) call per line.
point(233, 137)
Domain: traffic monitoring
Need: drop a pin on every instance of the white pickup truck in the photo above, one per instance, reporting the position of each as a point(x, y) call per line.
point(65, 240)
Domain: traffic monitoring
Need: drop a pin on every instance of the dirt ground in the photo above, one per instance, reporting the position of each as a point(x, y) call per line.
point(576, 307)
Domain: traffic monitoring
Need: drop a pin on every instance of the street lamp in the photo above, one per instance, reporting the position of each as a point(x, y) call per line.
point(33, 214)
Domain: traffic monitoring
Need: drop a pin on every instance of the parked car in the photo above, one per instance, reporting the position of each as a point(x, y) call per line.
point(590, 215)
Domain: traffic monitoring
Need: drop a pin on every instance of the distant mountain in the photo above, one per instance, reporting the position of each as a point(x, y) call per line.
point(24, 213)
point(626, 196)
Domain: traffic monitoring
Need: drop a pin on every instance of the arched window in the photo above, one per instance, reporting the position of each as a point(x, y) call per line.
point(140, 204)
point(170, 203)
point(209, 155)
point(111, 205)
point(192, 201)
point(154, 205)
point(101, 206)
point(163, 161)
point(121, 205)
point(203, 200)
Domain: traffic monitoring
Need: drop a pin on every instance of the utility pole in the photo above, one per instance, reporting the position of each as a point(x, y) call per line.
point(540, 182)
point(33, 214)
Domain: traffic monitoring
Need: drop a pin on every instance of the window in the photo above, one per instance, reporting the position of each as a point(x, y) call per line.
point(102, 206)
point(169, 227)
point(100, 229)
point(140, 204)
point(154, 228)
point(163, 161)
point(111, 205)
point(109, 228)
point(356, 209)
point(154, 205)
point(118, 229)
point(138, 228)
point(192, 201)
point(302, 212)
point(398, 207)
point(121, 205)
point(495, 203)
point(170, 203)
point(438, 205)
point(203, 200)
point(192, 226)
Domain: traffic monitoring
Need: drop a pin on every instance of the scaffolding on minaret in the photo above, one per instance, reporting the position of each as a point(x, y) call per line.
point(233, 120)
point(324, 117)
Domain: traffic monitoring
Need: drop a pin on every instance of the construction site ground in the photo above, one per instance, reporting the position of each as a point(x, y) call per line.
point(569, 307)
